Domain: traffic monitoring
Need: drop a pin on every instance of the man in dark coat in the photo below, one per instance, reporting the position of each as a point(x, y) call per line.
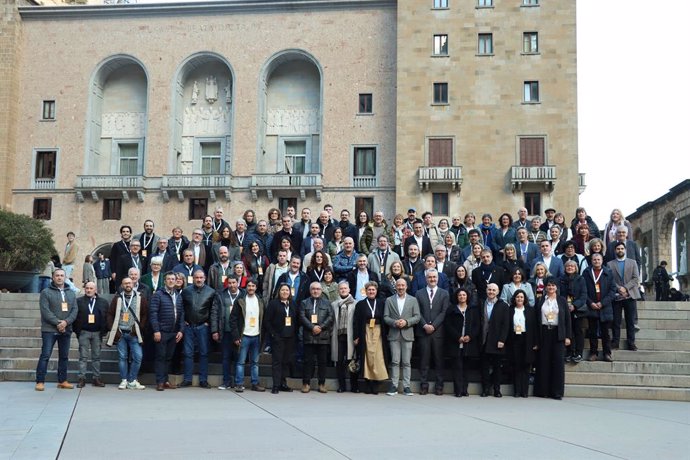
point(494, 331)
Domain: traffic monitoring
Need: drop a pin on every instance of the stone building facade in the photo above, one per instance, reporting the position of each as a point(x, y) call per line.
point(127, 112)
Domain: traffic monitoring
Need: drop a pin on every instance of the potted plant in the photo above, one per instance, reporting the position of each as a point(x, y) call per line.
point(26, 246)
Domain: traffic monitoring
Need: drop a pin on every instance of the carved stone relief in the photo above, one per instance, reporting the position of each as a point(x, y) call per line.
point(211, 121)
point(187, 158)
point(286, 121)
point(123, 124)
point(211, 89)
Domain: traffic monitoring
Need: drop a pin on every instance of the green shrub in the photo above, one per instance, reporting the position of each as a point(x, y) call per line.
point(26, 244)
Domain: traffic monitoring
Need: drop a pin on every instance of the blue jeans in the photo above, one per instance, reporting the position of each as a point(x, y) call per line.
point(229, 358)
point(196, 337)
point(49, 339)
point(126, 345)
point(249, 345)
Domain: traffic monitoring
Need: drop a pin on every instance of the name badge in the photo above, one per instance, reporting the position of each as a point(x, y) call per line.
point(518, 329)
point(125, 316)
point(372, 323)
point(223, 278)
point(190, 280)
point(64, 306)
point(178, 257)
point(597, 288)
point(292, 292)
point(382, 269)
point(143, 252)
point(252, 321)
point(92, 319)
point(314, 318)
point(288, 321)
point(261, 271)
point(550, 316)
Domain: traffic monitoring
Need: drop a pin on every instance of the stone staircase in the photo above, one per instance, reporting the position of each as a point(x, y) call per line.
point(659, 370)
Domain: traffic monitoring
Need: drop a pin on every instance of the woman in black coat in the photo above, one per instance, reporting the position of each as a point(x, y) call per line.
point(522, 341)
point(555, 333)
point(574, 290)
point(280, 322)
point(462, 332)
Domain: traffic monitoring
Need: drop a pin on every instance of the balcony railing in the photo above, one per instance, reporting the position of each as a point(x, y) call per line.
point(110, 182)
point(428, 175)
point(195, 181)
point(44, 184)
point(272, 182)
point(364, 181)
point(520, 175)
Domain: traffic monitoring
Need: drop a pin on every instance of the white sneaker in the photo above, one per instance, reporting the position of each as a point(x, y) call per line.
point(122, 385)
point(135, 385)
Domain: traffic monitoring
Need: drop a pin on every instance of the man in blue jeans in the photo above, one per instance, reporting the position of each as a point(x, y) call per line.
point(127, 316)
point(197, 301)
point(58, 306)
point(167, 318)
point(245, 326)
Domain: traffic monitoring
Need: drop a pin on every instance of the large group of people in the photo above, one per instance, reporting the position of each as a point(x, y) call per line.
point(515, 298)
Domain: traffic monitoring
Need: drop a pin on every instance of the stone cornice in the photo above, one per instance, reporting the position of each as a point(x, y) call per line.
point(193, 8)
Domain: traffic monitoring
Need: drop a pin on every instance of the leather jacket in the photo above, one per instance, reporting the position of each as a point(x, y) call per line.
point(197, 304)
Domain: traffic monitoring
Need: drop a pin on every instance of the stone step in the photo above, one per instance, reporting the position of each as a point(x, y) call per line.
point(620, 379)
point(661, 345)
point(30, 342)
point(627, 392)
point(662, 324)
point(11, 331)
point(21, 322)
point(645, 355)
point(626, 367)
point(15, 297)
point(650, 305)
point(663, 314)
point(659, 334)
point(107, 365)
point(20, 313)
point(34, 353)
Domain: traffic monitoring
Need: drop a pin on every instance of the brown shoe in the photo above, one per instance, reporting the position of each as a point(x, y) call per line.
point(306, 388)
point(608, 358)
point(593, 357)
point(322, 389)
point(258, 388)
point(438, 392)
point(40, 386)
point(160, 387)
point(170, 386)
point(98, 383)
point(65, 385)
point(81, 383)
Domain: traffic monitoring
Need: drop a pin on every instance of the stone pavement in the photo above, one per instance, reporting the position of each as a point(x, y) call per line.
point(185, 423)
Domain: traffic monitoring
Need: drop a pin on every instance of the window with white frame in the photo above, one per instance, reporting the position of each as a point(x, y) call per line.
point(440, 45)
point(128, 154)
point(531, 91)
point(364, 166)
point(530, 42)
point(48, 110)
point(485, 3)
point(211, 155)
point(530, 2)
point(485, 44)
point(440, 3)
point(296, 157)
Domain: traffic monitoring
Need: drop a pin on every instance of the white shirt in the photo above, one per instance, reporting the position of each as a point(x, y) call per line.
point(251, 311)
point(401, 304)
point(548, 308)
point(519, 319)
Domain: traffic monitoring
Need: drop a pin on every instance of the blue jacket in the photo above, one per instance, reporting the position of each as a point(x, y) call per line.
point(162, 312)
point(105, 272)
point(342, 264)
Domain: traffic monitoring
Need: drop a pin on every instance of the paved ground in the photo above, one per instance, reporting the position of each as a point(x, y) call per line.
point(195, 423)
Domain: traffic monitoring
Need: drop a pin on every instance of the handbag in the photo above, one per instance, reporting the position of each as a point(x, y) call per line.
point(353, 366)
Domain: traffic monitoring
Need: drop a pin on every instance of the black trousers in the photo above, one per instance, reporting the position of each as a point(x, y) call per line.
point(282, 354)
point(550, 379)
point(460, 379)
point(521, 367)
point(315, 352)
point(597, 328)
point(629, 307)
point(341, 364)
point(578, 343)
point(430, 346)
point(492, 374)
point(164, 353)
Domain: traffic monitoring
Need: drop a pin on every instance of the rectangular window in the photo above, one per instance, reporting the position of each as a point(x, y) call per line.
point(364, 162)
point(365, 204)
point(49, 110)
point(210, 157)
point(440, 3)
point(295, 157)
point(129, 159)
point(531, 91)
point(485, 3)
point(198, 208)
point(365, 103)
point(485, 44)
point(45, 164)
point(112, 209)
point(440, 152)
point(530, 42)
point(533, 203)
point(440, 204)
point(440, 93)
point(284, 203)
point(43, 208)
point(532, 152)
point(441, 45)
point(530, 2)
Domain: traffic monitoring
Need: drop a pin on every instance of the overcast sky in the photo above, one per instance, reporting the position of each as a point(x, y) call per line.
point(633, 101)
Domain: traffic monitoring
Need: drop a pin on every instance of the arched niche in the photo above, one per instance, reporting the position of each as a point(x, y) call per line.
point(117, 118)
point(290, 112)
point(202, 116)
